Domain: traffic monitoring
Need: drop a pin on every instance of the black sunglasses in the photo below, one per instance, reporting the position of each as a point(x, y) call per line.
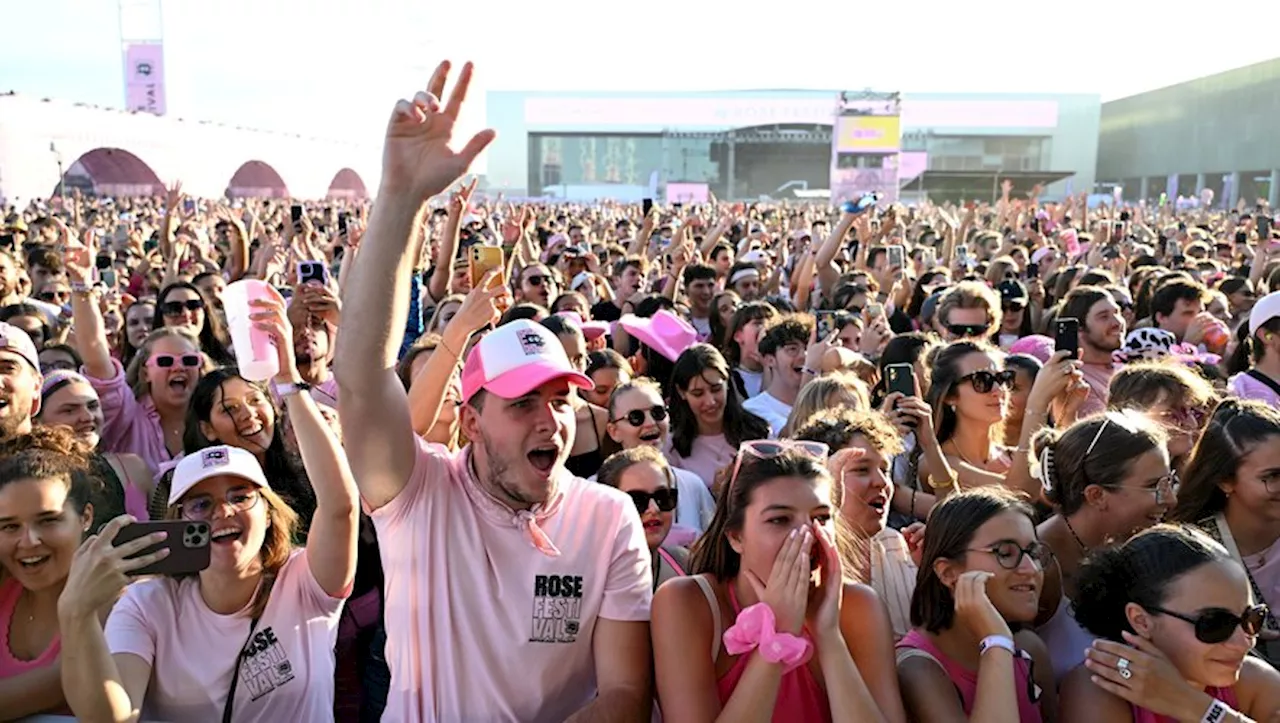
point(665, 498)
point(636, 416)
point(967, 330)
point(984, 381)
point(175, 308)
point(1014, 306)
point(1216, 625)
point(535, 280)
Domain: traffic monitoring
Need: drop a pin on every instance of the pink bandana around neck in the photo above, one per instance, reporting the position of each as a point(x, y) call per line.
point(527, 521)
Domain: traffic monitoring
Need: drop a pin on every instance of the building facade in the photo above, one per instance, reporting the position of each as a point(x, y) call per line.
point(1218, 133)
point(745, 144)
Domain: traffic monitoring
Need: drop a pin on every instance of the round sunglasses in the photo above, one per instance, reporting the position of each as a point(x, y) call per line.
point(984, 380)
point(636, 416)
point(666, 498)
point(1217, 625)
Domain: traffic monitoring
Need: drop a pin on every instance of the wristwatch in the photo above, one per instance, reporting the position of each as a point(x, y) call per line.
point(289, 388)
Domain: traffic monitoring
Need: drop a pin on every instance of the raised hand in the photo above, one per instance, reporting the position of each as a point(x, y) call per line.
point(100, 569)
point(417, 160)
point(270, 316)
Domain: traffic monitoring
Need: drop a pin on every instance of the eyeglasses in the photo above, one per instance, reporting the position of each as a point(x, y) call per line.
point(164, 361)
point(770, 448)
point(1187, 419)
point(984, 380)
point(1164, 488)
point(200, 507)
point(666, 498)
point(636, 416)
point(1217, 625)
point(175, 308)
point(1009, 554)
point(967, 330)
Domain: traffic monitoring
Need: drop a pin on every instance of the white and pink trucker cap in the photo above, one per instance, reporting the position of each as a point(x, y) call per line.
point(517, 358)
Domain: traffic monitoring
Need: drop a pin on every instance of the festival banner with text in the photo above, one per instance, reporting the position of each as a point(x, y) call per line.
point(144, 78)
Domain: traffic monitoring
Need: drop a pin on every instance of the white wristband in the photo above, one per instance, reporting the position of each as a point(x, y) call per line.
point(996, 641)
point(1216, 713)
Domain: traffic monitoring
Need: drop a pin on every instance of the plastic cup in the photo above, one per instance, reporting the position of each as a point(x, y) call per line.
point(255, 352)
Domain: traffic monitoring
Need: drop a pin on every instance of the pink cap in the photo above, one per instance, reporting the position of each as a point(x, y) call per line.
point(664, 332)
point(517, 358)
point(590, 329)
point(1035, 345)
point(13, 339)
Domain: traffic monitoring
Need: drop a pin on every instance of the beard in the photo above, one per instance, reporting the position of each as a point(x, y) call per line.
point(497, 482)
point(17, 422)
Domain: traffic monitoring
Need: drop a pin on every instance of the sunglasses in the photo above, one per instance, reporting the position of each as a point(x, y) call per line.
point(1009, 554)
point(164, 361)
point(636, 416)
point(984, 381)
point(666, 498)
point(967, 330)
point(54, 296)
point(1013, 306)
point(535, 280)
point(175, 308)
point(200, 507)
point(770, 448)
point(1217, 625)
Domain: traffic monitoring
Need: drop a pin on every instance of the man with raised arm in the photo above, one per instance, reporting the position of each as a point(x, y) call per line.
point(514, 590)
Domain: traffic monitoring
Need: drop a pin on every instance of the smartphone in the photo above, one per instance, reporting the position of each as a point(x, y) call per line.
point(1124, 216)
point(897, 256)
point(928, 257)
point(295, 214)
point(646, 206)
point(189, 205)
point(901, 378)
point(1066, 336)
point(108, 278)
point(1033, 270)
point(826, 322)
point(1264, 227)
point(861, 205)
point(482, 259)
point(342, 223)
point(313, 271)
point(1171, 248)
point(962, 253)
point(874, 309)
point(188, 545)
point(102, 262)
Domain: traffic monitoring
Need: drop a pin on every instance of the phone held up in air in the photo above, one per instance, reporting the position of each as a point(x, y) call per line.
point(295, 215)
point(901, 378)
point(826, 319)
point(313, 271)
point(861, 205)
point(1033, 270)
point(897, 256)
point(646, 206)
point(1066, 336)
point(188, 545)
point(482, 259)
point(1264, 227)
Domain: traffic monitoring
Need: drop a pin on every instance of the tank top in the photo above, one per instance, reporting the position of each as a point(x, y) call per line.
point(800, 698)
point(917, 643)
point(1226, 695)
point(1065, 639)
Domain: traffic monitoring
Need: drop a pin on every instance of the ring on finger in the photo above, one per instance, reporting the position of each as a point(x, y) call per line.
point(1122, 665)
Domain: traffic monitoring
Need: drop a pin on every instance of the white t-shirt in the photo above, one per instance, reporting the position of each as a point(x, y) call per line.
point(773, 410)
point(753, 381)
point(697, 506)
point(483, 626)
point(287, 676)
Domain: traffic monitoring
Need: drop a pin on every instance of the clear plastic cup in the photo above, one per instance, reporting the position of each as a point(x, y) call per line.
point(255, 352)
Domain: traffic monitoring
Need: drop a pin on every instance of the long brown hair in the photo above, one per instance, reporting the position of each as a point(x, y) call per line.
point(1234, 430)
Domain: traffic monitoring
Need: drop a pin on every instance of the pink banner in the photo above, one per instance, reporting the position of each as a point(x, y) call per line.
point(144, 78)
point(688, 193)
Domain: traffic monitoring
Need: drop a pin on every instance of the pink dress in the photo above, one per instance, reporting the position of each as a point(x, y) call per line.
point(966, 681)
point(800, 698)
point(1226, 695)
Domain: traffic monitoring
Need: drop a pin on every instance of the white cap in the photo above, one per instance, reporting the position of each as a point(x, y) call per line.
point(213, 462)
point(1267, 308)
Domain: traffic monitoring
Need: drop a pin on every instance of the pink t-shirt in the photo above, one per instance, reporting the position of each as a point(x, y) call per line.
point(708, 454)
point(10, 591)
point(192, 650)
point(129, 424)
point(483, 626)
point(1246, 387)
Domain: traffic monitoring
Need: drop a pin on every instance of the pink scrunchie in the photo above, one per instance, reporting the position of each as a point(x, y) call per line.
point(757, 628)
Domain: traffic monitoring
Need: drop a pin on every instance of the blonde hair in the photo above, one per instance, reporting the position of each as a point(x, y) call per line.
point(833, 391)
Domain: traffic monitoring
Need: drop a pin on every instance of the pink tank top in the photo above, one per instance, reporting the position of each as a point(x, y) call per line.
point(966, 681)
point(1226, 695)
point(800, 698)
point(10, 666)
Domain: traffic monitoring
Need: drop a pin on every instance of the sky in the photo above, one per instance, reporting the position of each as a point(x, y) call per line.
point(334, 68)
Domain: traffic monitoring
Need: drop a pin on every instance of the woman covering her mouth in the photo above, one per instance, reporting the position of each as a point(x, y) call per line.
point(45, 511)
point(1107, 477)
point(68, 399)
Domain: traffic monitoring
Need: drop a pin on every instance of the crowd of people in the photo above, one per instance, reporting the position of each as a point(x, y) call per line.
point(995, 462)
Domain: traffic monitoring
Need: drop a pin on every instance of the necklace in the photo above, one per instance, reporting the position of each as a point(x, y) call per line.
point(1083, 547)
point(960, 454)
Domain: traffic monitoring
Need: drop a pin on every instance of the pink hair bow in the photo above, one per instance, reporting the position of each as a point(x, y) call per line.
point(757, 629)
